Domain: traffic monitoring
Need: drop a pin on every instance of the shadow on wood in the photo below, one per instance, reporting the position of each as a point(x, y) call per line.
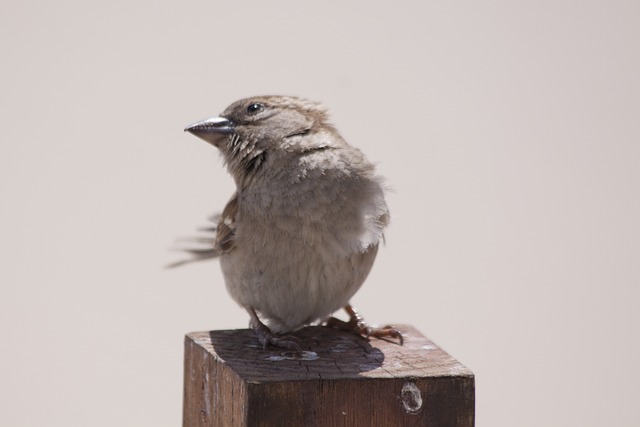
point(341, 380)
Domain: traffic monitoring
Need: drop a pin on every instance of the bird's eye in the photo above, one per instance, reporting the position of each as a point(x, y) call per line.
point(254, 108)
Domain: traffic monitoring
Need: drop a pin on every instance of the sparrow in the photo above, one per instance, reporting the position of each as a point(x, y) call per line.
point(300, 234)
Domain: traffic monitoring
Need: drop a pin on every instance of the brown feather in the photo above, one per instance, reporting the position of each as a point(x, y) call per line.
point(226, 229)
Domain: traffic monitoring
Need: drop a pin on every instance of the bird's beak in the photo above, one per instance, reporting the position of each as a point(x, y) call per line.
point(211, 130)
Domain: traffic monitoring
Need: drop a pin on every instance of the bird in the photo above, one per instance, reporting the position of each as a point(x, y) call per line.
point(300, 234)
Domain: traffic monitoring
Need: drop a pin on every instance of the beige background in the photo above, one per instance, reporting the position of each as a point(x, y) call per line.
point(509, 132)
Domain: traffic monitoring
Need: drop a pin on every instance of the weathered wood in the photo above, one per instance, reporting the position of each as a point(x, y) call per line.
point(342, 380)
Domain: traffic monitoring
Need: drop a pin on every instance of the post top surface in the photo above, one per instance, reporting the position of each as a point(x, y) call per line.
point(329, 354)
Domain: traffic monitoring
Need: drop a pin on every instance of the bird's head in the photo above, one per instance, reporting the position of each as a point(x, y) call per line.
point(252, 129)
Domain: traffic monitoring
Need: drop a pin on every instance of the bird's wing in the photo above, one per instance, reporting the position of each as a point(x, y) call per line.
point(212, 246)
point(226, 229)
point(200, 247)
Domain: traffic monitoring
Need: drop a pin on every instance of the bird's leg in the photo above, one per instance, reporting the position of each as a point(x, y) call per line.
point(266, 337)
point(357, 325)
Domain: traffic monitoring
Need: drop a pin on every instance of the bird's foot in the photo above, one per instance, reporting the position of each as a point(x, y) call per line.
point(357, 325)
point(266, 337)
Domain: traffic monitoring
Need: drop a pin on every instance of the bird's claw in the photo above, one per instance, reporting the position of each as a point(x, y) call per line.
point(357, 325)
point(266, 337)
point(283, 341)
point(386, 332)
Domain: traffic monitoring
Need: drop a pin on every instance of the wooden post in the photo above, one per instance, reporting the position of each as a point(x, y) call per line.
point(341, 380)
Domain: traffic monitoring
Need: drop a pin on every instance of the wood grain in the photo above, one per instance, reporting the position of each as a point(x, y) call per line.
point(341, 380)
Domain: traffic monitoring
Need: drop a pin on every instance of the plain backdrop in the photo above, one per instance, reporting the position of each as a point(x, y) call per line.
point(508, 131)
